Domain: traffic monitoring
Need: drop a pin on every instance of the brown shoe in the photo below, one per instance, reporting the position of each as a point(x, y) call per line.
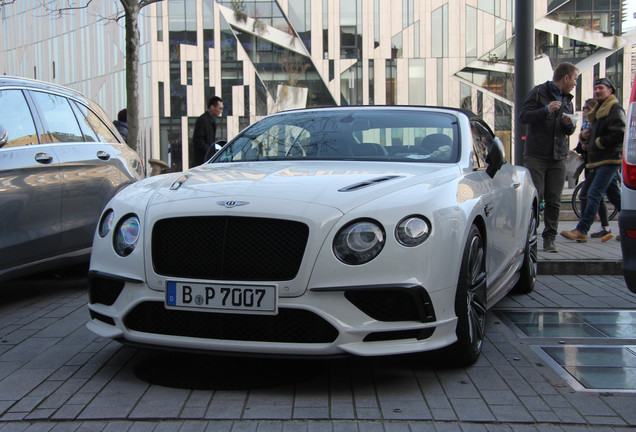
point(607, 237)
point(575, 235)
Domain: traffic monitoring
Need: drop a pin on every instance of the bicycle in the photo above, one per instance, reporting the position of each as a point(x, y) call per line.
point(576, 204)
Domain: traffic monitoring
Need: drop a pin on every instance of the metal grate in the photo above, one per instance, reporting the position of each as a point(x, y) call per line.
point(104, 291)
point(393, 304)
point(290, 325)
point(228, 248)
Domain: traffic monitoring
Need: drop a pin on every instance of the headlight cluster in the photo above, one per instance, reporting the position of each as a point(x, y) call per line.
point(362, 240)
point(413, 230)
point(126, 232)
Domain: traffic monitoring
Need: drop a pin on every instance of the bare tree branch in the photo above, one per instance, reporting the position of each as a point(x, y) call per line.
point(55, 9)
point(6, 2)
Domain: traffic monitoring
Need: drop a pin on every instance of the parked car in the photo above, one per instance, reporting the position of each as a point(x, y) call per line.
point(627, 216)
point(364, 231)
point(61, 161)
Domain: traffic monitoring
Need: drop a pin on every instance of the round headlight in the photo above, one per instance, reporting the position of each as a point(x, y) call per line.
point(126, 235)
point(359, 242)
point(106, 223)
point(413, 231)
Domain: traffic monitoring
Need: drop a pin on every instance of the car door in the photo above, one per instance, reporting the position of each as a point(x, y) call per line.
point(30, 186)
point(500, 205)
point(88, 170)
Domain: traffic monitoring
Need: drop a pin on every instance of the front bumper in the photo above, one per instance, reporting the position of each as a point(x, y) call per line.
point(365, 320)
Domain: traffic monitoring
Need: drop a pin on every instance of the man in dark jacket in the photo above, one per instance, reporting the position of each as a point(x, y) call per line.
point(205, 131)
point(122, 124)
point(604, 155)
point(547, 146)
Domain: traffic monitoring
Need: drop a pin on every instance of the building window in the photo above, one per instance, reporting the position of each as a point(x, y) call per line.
point(407, 13)
point(350, 29)
point(416, 42)
point(208, 27)
point(376, 23)
point(487, 6)
point(417, 82)
point(500, 31)
point(325, 29)
point(351, 85)
point(397, 46)
point(159, 21)
point(371, 82)
point(391, 81)
point(465, 94)
point(471, 33)
point(439, 32)
point(440, 82)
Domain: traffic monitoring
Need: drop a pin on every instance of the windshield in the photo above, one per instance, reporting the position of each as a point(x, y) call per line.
point(395, 135)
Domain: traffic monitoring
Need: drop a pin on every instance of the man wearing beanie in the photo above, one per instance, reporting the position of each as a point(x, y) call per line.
point(604, 152)
point(546, 146)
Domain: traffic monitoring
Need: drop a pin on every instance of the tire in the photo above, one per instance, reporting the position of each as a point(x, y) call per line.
point(576, 204)
point(470, 304)
point(528, 273)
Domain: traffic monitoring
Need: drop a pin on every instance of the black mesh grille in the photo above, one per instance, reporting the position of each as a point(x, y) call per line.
point(104, 291)
point(393, 304)
point(290, 325)
point(228, 248)
point(397, 335)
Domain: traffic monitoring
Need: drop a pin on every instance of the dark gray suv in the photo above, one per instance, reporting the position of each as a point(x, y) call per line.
point(61, 160)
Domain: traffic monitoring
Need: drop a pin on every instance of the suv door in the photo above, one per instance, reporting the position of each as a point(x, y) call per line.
point(90, 170)
point(30, 186)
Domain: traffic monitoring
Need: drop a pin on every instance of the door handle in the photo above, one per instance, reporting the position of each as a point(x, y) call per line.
point(103, 155)
point(516, 184)
point(43, 158)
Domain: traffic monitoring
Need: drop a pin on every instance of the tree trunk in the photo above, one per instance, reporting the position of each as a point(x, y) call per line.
point(131, 7)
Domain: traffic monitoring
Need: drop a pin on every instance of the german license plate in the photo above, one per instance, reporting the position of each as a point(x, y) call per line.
point(262, 299)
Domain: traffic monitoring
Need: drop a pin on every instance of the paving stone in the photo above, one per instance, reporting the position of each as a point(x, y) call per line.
point(472, 410)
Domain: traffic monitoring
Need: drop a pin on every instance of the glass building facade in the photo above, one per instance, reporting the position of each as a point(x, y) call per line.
point(262, 56)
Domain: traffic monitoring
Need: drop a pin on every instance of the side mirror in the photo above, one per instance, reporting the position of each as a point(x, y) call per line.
point(218, 145)
point(495, 158)
point(4, 136)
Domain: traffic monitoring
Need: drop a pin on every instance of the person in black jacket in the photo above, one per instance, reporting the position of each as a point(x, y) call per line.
point(205, 131)
point(546, 146)
point(604, 155)
point(122, 124)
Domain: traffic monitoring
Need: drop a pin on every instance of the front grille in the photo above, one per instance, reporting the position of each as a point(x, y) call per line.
point(104, 291)
point(290, 325)
point(228, 248)
point(393, 303)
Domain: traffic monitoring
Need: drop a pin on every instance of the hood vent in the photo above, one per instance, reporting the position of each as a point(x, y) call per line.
point(361, 185)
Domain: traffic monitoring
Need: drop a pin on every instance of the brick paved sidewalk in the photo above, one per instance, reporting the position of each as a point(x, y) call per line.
point(57, 376)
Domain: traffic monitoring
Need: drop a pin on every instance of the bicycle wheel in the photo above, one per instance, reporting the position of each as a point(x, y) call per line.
point(576, 201)
point(576, 204)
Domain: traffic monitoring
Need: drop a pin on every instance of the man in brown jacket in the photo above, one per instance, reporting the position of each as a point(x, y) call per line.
point(605, 149)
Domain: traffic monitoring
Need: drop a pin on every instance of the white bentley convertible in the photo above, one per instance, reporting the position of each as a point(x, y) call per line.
point(323, 232)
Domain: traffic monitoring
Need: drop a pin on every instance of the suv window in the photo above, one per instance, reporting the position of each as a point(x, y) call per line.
point(16, 119)
point(98, 130)
point(58, 117)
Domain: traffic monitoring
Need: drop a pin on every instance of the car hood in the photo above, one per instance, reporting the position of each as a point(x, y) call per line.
point(340, 184)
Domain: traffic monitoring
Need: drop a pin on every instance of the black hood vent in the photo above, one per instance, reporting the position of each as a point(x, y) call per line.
point(367, 183)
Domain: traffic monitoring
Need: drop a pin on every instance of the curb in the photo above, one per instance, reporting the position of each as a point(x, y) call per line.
point(587, 267)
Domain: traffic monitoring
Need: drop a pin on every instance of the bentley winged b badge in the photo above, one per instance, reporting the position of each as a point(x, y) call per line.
point(232, 203)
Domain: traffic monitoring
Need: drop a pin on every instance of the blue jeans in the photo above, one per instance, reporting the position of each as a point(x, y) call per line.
point(605, 182)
